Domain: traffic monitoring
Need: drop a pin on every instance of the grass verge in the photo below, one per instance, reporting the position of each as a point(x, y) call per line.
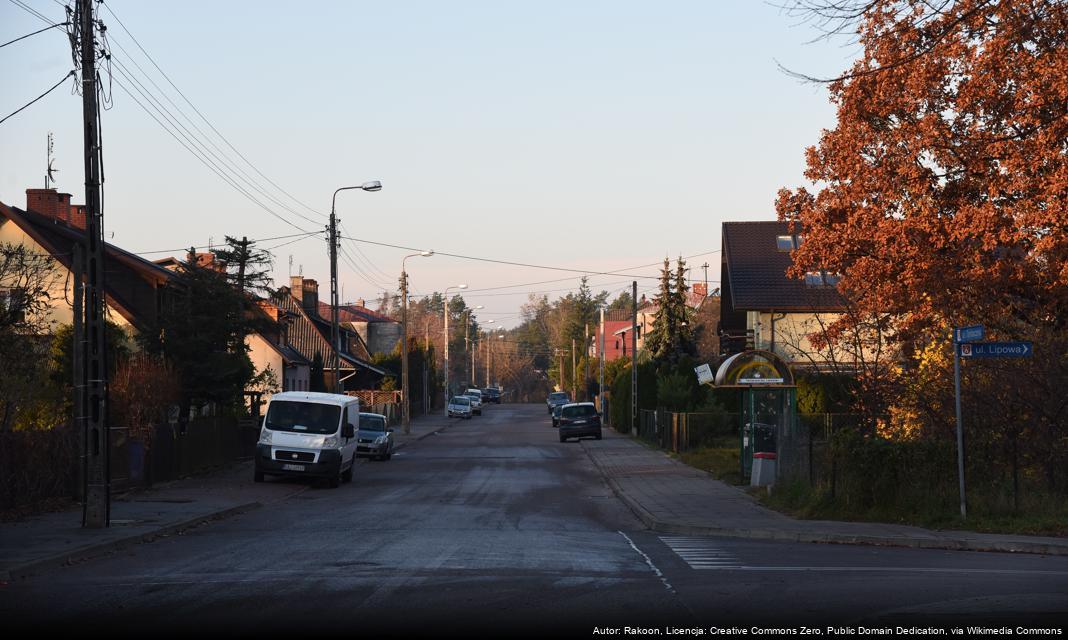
point(1039, 516)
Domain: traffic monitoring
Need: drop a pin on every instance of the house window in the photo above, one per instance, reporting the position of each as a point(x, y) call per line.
point(787, 243)
point(822, 278)
point(13, 304)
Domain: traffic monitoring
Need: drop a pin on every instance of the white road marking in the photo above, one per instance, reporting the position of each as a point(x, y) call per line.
point(701, 553)
point(649, 561)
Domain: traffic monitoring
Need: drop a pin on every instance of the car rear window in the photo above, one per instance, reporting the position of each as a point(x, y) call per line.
point(581, 411)
point(558, 396)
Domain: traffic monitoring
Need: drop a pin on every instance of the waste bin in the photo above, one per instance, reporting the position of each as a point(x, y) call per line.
point(763, 474)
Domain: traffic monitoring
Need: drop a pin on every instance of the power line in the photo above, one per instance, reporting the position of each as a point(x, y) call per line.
point(207, 163)
point(202, 116)
point(15, 112)
point(226, 162)
point(25, 7)
point(60, 24)
point(292, 235)
point(506, 262)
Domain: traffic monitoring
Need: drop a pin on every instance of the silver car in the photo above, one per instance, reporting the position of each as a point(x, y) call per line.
point(373, 438)
point(460, 407)
point(476, 400)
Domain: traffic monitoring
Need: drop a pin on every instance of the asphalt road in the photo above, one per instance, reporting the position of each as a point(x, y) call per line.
point(494, 526)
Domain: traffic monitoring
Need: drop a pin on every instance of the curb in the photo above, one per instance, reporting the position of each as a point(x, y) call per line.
point(782, 535)
point(425, 435)
point(94, 550)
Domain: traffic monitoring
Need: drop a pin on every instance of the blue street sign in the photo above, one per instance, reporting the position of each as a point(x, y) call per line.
point(968, 334)
point(996, 350)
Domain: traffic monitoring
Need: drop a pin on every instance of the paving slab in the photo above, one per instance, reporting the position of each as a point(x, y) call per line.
point(672, 497)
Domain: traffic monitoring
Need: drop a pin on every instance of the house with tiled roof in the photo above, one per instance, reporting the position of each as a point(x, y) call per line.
point(761, 307)
point(137, 290)
point(379, 332)
point(309, 332)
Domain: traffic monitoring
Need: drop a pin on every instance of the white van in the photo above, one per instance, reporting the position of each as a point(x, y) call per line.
point(309, 434)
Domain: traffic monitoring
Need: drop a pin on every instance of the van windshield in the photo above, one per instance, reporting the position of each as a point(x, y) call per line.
point(303, 417)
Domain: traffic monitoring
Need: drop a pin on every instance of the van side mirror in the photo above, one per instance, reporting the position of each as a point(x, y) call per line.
point(348, 431)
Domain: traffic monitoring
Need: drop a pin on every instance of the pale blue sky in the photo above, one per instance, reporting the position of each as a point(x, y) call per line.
point(590, 135)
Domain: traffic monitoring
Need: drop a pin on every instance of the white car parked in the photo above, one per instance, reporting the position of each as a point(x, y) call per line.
point(476, 400)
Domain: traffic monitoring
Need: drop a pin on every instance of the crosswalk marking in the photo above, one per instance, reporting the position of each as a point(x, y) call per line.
point(700, 553)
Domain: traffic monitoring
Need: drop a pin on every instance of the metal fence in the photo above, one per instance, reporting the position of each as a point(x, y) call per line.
point(680, 432)
point(803, 448)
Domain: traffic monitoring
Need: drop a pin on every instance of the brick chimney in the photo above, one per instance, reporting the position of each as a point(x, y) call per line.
point(360, 302)
point(310, 297)
point(296, 287)
point(52, 204)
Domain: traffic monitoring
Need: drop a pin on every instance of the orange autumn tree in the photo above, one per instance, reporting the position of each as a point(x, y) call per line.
point(943, 190)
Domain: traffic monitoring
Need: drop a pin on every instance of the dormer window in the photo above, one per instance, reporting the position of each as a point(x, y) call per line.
point(822, 278)
point(787, 243)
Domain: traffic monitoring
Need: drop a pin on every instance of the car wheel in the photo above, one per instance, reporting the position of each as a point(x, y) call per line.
point(563, 439)
point(346, 476)
point(335, 480)
point(257, 476)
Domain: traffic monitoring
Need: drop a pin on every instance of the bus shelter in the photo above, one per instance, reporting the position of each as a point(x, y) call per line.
point(769, 403)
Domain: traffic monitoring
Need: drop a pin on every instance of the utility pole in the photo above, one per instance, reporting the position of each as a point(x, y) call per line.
point(335, 333)
point(634, 360)
point(600, 377)
point(705, 267)
point(487, 357)
point(405, 389)
point(560, 357)
point(586, 355)
point(242, 260)
point(574, 378)
point(96, 512)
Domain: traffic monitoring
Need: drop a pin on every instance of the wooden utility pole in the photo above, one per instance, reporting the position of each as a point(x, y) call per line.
point(406, 407)
point(96, 511)
point(634, 360)
point(600, 364)
point(574, 378)
point(586, 355)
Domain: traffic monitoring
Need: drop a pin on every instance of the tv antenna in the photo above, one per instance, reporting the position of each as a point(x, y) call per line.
point(50, 177)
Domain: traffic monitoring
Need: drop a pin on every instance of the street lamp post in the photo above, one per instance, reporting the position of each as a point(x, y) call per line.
point(446, 296)
point(406, 408)
point(335, 333)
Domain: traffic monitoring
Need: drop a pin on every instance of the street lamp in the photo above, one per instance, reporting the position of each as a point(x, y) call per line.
point(446, 305)
point(405, 405)
point(335, 333)
point(474, 370)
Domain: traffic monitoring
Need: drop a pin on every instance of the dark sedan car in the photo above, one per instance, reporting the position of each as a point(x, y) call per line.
point(579, 419)
point(557, 398)
point(491, 394)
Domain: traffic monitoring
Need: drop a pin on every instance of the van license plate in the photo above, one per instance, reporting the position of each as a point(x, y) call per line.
point(293, 467)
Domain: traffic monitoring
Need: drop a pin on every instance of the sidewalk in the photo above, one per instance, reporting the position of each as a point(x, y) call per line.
point(56, 539)
point(672, 497)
